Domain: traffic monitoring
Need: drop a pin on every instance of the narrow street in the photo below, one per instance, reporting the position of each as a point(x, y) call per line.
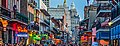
point(59, 22)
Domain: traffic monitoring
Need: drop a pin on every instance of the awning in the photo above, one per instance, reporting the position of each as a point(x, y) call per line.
point(42, 22)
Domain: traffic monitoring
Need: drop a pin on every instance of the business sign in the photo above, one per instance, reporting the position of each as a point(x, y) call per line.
point(119, 35)
point(22, 34)
point(104, 35)
point(18, 28)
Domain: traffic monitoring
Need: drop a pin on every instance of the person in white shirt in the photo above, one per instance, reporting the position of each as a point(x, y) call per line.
point(95, 43)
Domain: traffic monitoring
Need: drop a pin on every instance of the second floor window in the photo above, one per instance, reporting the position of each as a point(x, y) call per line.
point(31, 17)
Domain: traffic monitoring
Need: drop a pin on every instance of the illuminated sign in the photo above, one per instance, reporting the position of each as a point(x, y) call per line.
point(4, 23)
point(39, 37)
point(22, 35)
point(84, 38)
point(17, 27)
point(20, 29)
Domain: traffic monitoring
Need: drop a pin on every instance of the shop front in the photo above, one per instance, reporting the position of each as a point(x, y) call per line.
point(22, 38)
point(20, 33)
point(3, 31)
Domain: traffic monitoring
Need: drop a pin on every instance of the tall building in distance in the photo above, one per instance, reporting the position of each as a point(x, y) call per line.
point(74, 21)
point(59, 12)
point(46, 2)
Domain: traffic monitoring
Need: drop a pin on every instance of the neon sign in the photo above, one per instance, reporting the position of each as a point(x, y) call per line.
point(4, 23)
point(17, 27)
point(20, 29)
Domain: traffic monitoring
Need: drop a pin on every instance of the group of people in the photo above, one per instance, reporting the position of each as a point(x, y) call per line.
point(10, 44)
point(95, 43)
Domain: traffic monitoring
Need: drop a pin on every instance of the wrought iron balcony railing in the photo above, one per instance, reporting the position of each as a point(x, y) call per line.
point(107, 7)
point(21, 17)
point(47, 21)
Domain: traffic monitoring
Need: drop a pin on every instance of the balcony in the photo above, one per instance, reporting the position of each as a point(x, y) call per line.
point(43, 22)
point(20, 18)
point(47, 21)
point(5, 13)
point(103, 10)
point(55, 30)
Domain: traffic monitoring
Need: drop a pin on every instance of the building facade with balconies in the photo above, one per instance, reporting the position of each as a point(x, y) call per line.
point(103, 17)
point(13, 21)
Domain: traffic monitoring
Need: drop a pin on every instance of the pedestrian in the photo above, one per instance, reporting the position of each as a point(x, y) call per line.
point(95, 43)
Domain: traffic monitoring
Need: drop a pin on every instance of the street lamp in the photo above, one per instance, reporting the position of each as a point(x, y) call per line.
point(110, 23)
